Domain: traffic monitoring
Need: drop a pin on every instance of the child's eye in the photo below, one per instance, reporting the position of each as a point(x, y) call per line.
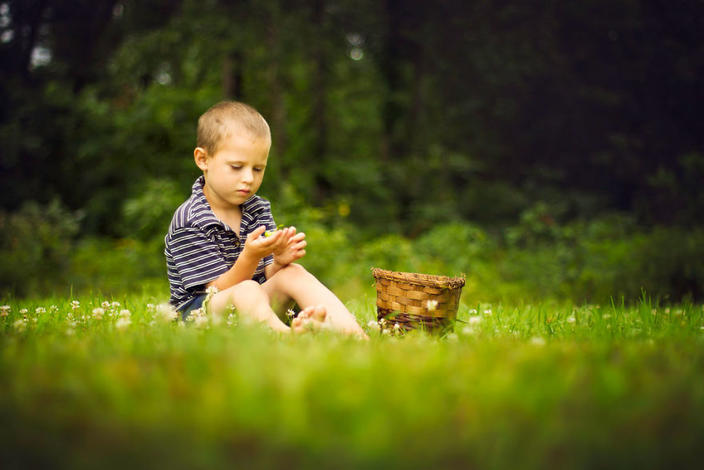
point(259, 169)
point(235, 167)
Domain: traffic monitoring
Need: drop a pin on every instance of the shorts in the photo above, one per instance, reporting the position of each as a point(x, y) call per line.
point(195, 303)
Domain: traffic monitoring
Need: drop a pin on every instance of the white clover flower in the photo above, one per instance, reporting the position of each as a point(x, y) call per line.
point(39, 310)
point(397, 327)
point(385, 332)
point(382, 322)
point(124, 313)
point(151, 308)
point(165, 312)
point(452, 337)
point(75, 304)
point(473, 311)
point(98, 313)
point(290, 313)
point(571, 319)
point(201, 321)
point(468, 331)
point(195, 313)
point(23, 311)
point(537, 341)
point(475, 320)
point(432, 305)
point(105, 304)
point(115, 304)
point(122, 323)
point(20, 325)
point(212, 290)
point(487, 312)
point(53, 309)
point(373, 325)
point(4, 310)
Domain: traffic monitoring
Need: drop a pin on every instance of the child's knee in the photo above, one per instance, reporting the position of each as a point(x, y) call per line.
point(249, 288)
point(294, 270)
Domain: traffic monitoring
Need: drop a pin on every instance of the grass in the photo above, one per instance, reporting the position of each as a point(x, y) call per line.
point(520, 386)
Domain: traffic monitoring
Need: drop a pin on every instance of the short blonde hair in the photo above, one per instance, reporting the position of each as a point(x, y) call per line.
point(223, 118)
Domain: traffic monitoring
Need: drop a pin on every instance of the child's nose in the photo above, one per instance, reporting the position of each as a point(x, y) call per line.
point(248, 175)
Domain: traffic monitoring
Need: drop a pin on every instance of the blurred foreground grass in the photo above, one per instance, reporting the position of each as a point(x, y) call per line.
point(87, 385)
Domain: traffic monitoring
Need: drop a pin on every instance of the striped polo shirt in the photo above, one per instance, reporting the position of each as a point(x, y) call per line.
point(200, 247)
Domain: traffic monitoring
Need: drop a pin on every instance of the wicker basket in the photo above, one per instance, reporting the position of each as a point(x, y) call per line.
point(417, 300)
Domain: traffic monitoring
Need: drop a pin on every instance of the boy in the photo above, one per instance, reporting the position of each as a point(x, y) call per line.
point(217, 237)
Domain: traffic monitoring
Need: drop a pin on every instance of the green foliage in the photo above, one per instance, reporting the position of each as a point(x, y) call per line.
point(458, 246)
point(35, 247)
point(118, 266)
point(367, 103)
point(147, 215)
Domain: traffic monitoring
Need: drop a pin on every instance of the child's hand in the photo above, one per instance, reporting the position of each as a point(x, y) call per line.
point(258, 247)
point(291, 246)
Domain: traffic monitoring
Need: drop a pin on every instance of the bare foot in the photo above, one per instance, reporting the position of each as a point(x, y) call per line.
point(310, 319)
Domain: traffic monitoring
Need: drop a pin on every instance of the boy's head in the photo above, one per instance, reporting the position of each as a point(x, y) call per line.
point(226, 118)
point(232, 150)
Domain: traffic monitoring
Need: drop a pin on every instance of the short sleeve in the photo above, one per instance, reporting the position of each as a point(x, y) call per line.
point(197, 258)
point(263, 216)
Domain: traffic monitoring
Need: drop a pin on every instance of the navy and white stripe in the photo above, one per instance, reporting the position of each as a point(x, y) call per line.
point(200, 247)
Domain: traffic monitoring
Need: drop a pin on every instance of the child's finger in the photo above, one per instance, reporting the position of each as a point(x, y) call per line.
point(298, 237)
point(288, 233)
point(258, 231)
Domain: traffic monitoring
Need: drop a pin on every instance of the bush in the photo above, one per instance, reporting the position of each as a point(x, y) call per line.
point(118, 266)
point(458, 246)
point(604, 258)
point(35, 247)
point(148, 214)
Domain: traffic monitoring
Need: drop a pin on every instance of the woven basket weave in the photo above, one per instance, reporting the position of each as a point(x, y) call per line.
point(416, 300)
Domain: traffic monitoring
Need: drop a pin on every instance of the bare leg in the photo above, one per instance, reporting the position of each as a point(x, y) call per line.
point(252, 303)
point(294, 282)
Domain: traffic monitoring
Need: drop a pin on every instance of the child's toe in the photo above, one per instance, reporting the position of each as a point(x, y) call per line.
point(319, 313)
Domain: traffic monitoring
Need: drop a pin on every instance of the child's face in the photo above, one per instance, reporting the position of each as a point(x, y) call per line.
point(234, 173)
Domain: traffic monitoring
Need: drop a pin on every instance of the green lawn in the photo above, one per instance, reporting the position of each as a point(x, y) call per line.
point(524, 386)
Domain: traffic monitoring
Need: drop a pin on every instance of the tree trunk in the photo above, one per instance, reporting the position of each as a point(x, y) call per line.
point(232, 77)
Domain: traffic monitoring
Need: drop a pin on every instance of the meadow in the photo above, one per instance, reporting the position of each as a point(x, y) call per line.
point(96, 382)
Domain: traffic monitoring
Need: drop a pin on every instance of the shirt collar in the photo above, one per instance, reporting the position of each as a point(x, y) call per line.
point(201, 212)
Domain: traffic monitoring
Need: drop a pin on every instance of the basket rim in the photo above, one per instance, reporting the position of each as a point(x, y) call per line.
point(420, 279)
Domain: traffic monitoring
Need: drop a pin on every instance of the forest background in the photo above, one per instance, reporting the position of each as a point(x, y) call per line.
point(543, 148)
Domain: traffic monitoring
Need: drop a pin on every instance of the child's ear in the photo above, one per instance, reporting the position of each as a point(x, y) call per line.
point(201, 158)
